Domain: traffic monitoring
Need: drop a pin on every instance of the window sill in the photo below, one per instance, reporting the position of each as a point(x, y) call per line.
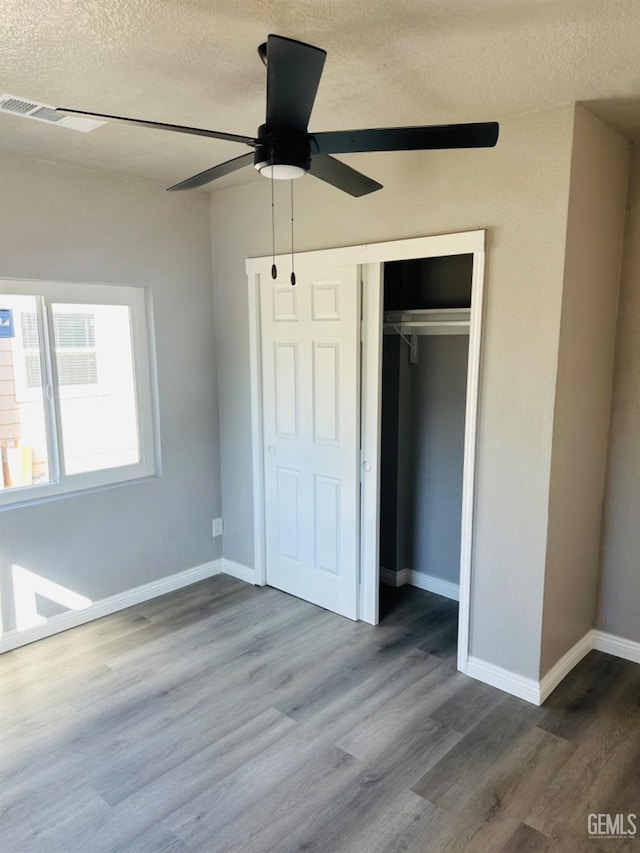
point(73, 488)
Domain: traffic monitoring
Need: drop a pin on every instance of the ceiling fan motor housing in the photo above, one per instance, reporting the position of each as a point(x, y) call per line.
point(286, 149)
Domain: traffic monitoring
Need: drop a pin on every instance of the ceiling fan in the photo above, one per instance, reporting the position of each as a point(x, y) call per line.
point(284, 149)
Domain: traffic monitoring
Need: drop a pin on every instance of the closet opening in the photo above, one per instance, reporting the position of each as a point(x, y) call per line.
point(425, 354)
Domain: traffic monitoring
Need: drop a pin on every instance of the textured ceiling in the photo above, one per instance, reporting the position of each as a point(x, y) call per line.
point(390, 62)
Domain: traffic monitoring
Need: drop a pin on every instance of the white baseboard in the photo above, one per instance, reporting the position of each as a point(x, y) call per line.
point(105, 606)
point(391, 578)
point(238, 570)
point(422, 581)
point(518, 685)
point(537, 691)
point(564, 666)
point(433, 584)
point(594, 639)
point(618, 646)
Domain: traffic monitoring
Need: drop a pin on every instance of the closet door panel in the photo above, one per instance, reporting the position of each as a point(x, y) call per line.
point(326, 393)
point(311, 375)
point(285, 385)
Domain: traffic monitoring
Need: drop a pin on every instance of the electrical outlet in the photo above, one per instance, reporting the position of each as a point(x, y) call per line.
point(216, 527)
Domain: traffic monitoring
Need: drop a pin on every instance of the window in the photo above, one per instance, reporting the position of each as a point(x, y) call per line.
point(76, 351)
point(75, 401)
point(76, 347)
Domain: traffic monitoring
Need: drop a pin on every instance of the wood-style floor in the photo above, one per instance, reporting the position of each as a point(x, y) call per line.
point(229, 718)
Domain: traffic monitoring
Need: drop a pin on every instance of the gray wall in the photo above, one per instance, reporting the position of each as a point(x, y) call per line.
point(519, 192)
point(436, 423)
point(423, 408)
point(62, 223)
point(396, 473)
point(619, 603)
point(595, 226)
point(392, 352)
point(404, 496)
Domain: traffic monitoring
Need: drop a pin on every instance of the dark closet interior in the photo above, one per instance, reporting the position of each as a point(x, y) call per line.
point(424, 380)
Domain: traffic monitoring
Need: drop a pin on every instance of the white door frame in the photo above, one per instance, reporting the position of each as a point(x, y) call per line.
point(371, 257)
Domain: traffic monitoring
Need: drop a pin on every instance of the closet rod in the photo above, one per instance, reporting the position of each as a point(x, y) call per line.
point(418, 328)
point(415, 324)
point(429, 321)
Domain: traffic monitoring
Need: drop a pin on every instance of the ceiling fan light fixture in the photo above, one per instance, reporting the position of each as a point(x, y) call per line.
point(281, 171)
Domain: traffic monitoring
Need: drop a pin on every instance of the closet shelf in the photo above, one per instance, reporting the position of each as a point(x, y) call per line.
point(428, 321)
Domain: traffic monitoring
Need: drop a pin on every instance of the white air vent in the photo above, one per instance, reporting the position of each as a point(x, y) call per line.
point(44, 112)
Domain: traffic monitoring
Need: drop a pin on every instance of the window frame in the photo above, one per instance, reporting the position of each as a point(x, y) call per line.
point(135, 298)
point(24, 392)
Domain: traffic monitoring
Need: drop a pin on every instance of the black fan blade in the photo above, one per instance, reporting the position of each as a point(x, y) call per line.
point(214, 172)
point(478, 135)
point(293, 76)
point(340, 175)
point(159, 125)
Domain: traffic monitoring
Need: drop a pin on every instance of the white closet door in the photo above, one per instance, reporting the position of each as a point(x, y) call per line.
point(311, 398)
